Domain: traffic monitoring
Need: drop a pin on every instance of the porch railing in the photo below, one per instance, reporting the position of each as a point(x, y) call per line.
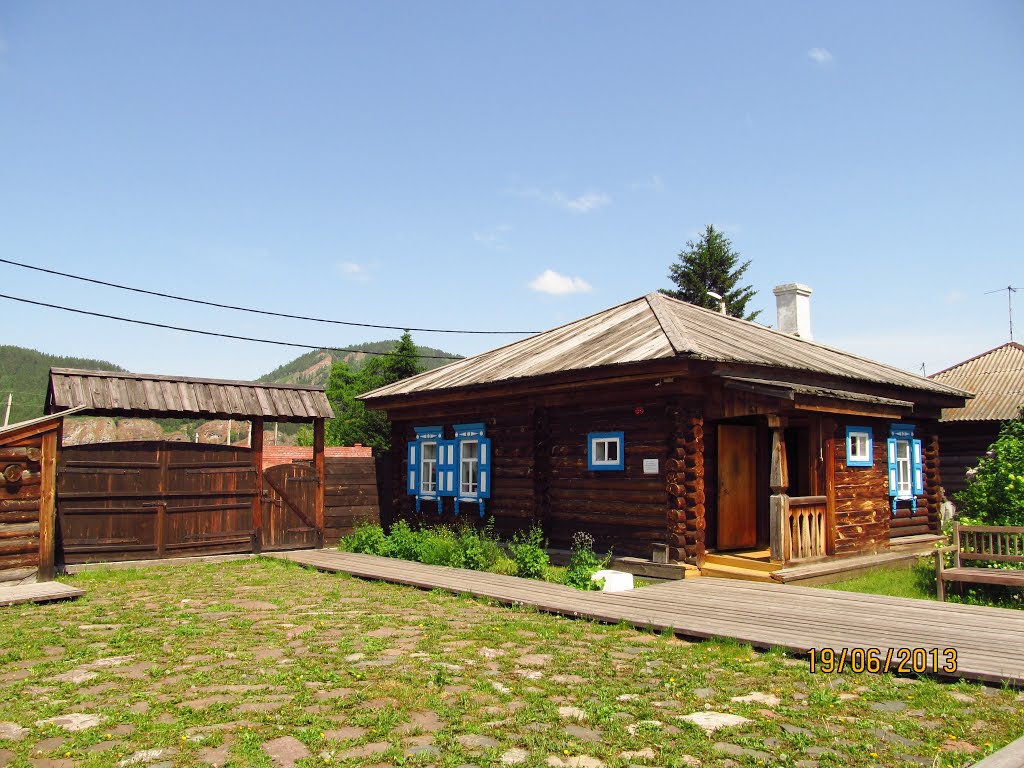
point(799, 527)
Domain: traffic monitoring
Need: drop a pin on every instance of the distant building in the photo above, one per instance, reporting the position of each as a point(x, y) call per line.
point(997, 379)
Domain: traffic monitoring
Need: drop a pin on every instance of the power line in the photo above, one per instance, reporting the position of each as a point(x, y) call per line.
point(212, 333)
point(250, 309)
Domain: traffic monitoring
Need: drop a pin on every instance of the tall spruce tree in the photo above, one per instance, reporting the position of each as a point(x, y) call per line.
point(711, 264)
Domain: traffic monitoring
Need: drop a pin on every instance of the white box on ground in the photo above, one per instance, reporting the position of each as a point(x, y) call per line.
point(614, 581)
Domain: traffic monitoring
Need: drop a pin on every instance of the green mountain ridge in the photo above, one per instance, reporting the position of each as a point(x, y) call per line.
point(314, 368)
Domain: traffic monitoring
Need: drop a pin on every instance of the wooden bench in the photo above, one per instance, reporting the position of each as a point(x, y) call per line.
point(991, 543)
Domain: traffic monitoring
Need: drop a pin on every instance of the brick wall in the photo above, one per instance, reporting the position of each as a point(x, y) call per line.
point(286, 454)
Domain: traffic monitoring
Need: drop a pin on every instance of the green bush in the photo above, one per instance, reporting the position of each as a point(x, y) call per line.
point(481, 550)
point(368, 539)
point(440, 546)
point(529, 552)
point(583, 563)
point(995, 490)
point(403, 542)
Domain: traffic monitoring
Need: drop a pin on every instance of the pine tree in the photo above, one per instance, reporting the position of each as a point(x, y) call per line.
point(711, 264)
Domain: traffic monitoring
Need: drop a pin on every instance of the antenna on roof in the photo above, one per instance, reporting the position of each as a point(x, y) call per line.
point(923, 371)
point(1010, 290)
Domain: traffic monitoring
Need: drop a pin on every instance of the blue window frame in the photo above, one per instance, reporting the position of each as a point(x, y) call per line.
point(906, 465)
point(426, 454)
point(860, 446)
point(606, 451)
point(471, 469)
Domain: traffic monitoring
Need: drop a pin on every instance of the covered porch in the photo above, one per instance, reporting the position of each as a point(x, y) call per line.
point(788, 505)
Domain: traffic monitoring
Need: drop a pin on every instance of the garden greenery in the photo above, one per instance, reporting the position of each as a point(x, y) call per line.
point(995, 490)
point(478, 549)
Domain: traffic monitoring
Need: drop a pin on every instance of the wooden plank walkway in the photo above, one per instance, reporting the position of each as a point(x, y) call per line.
point(987, 640)
point(42, 592)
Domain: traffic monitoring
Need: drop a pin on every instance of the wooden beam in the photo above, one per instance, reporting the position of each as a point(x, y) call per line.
point(779, 480)
point(321, 485)
point(256, 441)
point(850, 408)
point(48, 505)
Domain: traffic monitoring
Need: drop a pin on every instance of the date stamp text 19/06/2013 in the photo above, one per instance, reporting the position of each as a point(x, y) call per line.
point(901, 661)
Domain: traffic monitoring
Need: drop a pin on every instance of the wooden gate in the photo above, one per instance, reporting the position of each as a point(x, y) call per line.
point(289, 507)
point(140, 500)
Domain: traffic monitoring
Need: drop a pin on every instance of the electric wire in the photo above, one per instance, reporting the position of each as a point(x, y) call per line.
point(252, 309)
point(212, 333)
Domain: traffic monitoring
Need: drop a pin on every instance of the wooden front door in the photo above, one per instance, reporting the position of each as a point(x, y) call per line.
point(737, 486)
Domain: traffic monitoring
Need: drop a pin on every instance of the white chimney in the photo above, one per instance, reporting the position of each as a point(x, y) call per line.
point(793, 306)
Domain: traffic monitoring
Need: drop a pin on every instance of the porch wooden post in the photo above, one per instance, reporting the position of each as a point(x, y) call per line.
point(321, 480)
point(48, 505)
point(256, 443)
point(828, 427)
point(778, 504)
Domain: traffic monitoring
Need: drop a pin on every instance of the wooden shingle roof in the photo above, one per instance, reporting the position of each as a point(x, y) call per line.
point(132, 394)
point(656, 327)
point(997, 379)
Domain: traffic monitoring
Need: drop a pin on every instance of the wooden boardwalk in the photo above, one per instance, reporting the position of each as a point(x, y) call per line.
point(987, 640)
point(42, 592)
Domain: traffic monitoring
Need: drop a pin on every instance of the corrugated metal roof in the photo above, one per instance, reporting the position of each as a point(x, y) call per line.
point(997, 379)
point(144, 395)
point(654, 327)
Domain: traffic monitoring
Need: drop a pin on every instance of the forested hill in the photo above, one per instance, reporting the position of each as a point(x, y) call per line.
point(25, 374)
point(313, 368)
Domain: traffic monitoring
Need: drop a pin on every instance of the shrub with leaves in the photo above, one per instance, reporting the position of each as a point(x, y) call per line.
point(403, 542)
point(367, 539)
point(481, 550)
point(529, 552)
point(995, 490)
point(583, 563)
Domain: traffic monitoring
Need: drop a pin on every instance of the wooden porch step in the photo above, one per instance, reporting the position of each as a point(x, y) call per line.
point(718, 571)
point(739, 561)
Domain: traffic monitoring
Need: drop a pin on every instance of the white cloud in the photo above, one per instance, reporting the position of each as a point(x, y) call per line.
point(352, 271)
point(551, 282)
point(820, 55)
point(584, 203)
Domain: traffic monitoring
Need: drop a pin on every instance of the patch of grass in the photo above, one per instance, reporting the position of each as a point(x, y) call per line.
point(269, 660)
point(918, 582)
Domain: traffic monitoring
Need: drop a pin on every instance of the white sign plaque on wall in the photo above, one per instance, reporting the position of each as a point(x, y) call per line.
point(650, 466)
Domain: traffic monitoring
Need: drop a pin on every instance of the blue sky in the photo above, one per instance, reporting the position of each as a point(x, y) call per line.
point(505, 166)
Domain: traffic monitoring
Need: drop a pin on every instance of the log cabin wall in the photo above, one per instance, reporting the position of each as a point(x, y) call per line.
point(540, 475)
point(28, 460)
point(624, 510)
point(864, 519)
point(511, 428)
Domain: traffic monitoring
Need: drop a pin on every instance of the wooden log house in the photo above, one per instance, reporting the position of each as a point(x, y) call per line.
point(996, 378)
point(659, 425)
point(29, 453)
